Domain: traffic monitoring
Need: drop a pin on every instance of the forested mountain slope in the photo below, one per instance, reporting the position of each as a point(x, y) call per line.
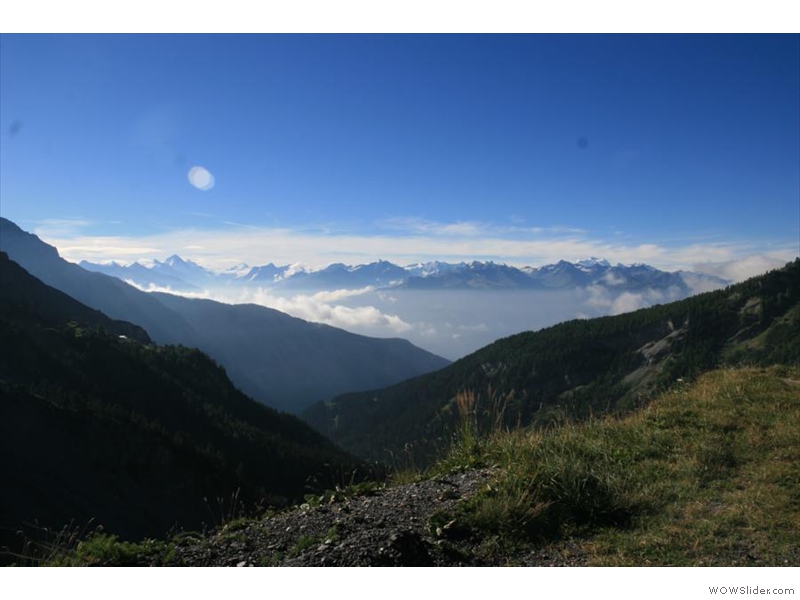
point(573, 369)
point(98, 423)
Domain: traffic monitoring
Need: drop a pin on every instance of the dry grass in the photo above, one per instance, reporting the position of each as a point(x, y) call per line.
point(708, 474)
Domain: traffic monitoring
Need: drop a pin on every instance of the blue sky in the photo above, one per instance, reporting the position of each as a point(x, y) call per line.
point(681, 151)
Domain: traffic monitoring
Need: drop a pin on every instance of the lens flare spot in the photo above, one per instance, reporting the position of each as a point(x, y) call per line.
point(201, 178)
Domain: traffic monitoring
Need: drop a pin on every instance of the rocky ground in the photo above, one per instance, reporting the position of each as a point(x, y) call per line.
point(406, 525)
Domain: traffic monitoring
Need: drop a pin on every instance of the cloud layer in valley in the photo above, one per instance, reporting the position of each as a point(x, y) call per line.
point(448, 323)
point(320, 307)
point(451, 323)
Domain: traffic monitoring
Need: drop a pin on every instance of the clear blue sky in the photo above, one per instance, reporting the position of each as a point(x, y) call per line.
point(610, 143)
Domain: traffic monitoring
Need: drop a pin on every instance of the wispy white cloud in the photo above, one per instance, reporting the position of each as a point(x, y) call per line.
point(611, 279)
point(699, 284)
point(321, 307)
point(470, 229)
point(152, 287)
point(62, 227)
point(415, 226)
point(608, 302)
point(740, 268)
point(335, 295)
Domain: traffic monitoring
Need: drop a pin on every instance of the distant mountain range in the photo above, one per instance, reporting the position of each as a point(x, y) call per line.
point(182, 275)
point(280, 360)
point(574, 369)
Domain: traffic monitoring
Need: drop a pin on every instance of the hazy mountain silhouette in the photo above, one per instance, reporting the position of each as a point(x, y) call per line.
point(178, 274)
point(281, 360)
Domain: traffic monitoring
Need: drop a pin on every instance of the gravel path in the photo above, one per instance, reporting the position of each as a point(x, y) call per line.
point(390, 528)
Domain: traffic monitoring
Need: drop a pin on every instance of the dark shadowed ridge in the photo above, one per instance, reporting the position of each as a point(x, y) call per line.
point(112, 296)
point(100, 425)
point(22, 294)
point(277, 359)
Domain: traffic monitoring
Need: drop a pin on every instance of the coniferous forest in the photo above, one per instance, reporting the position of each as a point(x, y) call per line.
point(102, 427)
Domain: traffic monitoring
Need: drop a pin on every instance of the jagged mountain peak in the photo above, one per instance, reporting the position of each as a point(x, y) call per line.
point(172, 260)
point(177, 261)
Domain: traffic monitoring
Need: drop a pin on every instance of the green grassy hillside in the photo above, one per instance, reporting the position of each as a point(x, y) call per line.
point(708, 474)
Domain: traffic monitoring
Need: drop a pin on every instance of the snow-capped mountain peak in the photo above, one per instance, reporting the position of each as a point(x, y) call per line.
point(432, 268)
point(592, 262)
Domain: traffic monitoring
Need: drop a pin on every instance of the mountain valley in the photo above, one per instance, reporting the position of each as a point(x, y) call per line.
point(450, 309)
point(178, 467)
point(573, 369)
point(280, 360)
